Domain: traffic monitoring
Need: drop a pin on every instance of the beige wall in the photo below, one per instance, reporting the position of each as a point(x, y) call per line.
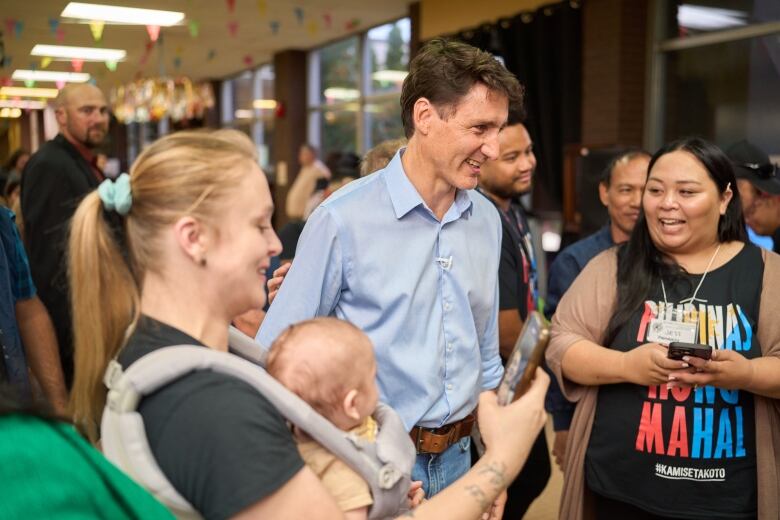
point(439, 17)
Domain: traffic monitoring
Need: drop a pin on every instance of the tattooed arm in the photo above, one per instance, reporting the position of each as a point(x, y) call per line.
point(508, 433)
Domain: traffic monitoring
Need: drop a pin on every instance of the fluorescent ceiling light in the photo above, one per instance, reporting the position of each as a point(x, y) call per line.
point(396, 76)
point(342, 94)
point(50, 75)
point(10, 112)
point(79, 53)
point(261, 104)
point(28, 92)
point(116, 14)
point(20, 103)
point(709, 18)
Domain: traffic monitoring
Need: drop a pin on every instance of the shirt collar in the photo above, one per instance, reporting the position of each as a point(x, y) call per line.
point(85, 152)
point(404, 195)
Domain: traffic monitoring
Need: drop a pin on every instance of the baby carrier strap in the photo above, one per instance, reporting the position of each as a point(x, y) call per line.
point(385, 465)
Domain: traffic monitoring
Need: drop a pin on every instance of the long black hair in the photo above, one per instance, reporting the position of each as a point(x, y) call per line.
point(641, 265)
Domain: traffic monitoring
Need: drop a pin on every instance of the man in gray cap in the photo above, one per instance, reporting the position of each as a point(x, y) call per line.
point(759, 189)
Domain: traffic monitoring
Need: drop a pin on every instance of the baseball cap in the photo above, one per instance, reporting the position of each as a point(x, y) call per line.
point(752, 163)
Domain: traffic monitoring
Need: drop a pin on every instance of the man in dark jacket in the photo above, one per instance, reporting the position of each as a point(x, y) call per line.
point(55, 180)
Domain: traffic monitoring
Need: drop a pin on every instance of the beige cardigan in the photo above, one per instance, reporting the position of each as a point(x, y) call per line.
point(584, 312)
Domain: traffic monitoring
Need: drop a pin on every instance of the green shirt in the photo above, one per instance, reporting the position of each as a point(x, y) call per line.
point(47, 470)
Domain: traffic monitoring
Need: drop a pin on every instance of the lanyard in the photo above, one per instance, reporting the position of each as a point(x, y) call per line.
point(692, 299)
point(523, 238)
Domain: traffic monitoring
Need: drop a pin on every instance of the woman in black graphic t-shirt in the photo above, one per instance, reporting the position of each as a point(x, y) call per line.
point(673, 439)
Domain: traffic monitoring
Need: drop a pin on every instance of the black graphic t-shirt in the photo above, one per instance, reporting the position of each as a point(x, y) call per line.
point(677, 452)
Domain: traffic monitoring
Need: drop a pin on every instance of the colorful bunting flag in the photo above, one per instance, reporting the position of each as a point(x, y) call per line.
point(53, 24)
point(77, 64)
point(10, 24)
point(248, 60)
point(328, 20)
point(231, 5)
point(233, 28)
point(18, 27)
point(274, 26)
point(60, 34)
point(60, 84)
point(299, 14)
point(176, 62)
point(111, 65)
point(352, 24)
point(211, 54)
point(45, 62)
point(96, 27)
point(154, 32)
point(312, 27)
point(194, 27)
point(262, 7)
point(29, 83)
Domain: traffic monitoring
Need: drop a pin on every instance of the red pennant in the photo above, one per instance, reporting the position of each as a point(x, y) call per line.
point(60, 83)
point(77, 64)
point(231, 5)
point(233, 28)
point(248, 60)
point(154, 32)
point(328, 20)
point(60, 34)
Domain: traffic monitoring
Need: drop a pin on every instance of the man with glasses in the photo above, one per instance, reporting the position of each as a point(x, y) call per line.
point(759, 189)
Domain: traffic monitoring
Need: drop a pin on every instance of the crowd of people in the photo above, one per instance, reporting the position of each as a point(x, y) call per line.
point(405, 279)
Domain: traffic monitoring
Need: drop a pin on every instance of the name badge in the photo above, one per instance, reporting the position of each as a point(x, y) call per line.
point(666, 331)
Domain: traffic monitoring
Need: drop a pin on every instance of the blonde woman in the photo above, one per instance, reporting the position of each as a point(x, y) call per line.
point(169, 255)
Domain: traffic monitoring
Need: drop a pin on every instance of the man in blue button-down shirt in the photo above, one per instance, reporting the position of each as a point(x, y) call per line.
point(410, 253)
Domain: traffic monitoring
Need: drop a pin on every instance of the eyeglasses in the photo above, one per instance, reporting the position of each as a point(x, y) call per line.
point(765, 171)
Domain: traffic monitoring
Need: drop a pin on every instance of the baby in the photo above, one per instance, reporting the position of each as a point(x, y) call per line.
point(330, 364)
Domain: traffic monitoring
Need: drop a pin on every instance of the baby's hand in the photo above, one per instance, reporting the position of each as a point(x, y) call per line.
point(416, 494)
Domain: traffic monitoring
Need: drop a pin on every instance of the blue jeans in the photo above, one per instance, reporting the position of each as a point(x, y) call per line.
point(439, 471)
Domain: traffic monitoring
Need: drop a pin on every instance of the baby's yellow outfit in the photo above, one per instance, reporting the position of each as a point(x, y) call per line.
point(347, 487)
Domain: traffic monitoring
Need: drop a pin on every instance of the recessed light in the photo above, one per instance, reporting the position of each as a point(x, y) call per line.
point(29, 92)
point(79, 53)
point(22, 103)
point(117, 14)
point(50, 75)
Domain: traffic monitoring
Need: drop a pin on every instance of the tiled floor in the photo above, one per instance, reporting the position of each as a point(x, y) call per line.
point(546, 506)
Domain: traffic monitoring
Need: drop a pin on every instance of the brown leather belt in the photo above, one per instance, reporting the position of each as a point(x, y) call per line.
point(437, 440)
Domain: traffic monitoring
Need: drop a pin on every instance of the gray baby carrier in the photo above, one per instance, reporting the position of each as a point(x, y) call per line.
point(385, 464)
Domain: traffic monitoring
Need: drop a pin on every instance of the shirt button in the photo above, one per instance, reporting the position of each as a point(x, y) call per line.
point(446, 306)
point(449, 347)
point(449, 386)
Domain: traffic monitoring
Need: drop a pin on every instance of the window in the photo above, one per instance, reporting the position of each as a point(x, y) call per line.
point(248, 105)
point(715, 73)
point(354, 89)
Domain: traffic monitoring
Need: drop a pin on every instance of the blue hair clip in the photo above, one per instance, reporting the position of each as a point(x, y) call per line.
point(116, 195)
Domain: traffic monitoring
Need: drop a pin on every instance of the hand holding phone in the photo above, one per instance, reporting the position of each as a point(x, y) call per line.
point(528, 353)
point(678, 349)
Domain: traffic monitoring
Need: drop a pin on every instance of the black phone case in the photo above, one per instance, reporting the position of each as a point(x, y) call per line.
point(678, 349)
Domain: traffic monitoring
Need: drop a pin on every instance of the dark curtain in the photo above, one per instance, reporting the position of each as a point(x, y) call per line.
point(544, 50)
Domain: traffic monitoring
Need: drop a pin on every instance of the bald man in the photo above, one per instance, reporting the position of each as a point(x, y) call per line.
point(55, 180)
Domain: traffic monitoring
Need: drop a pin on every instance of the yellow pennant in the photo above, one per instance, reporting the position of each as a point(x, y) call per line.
point(96, 26)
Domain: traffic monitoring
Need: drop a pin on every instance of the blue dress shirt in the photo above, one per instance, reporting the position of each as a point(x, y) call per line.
point(425, 291)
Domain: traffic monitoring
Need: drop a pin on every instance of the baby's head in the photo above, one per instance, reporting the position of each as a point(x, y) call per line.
point(330, 364)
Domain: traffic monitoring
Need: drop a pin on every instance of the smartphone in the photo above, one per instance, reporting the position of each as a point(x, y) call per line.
point(527, 355)
point(678, 349)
